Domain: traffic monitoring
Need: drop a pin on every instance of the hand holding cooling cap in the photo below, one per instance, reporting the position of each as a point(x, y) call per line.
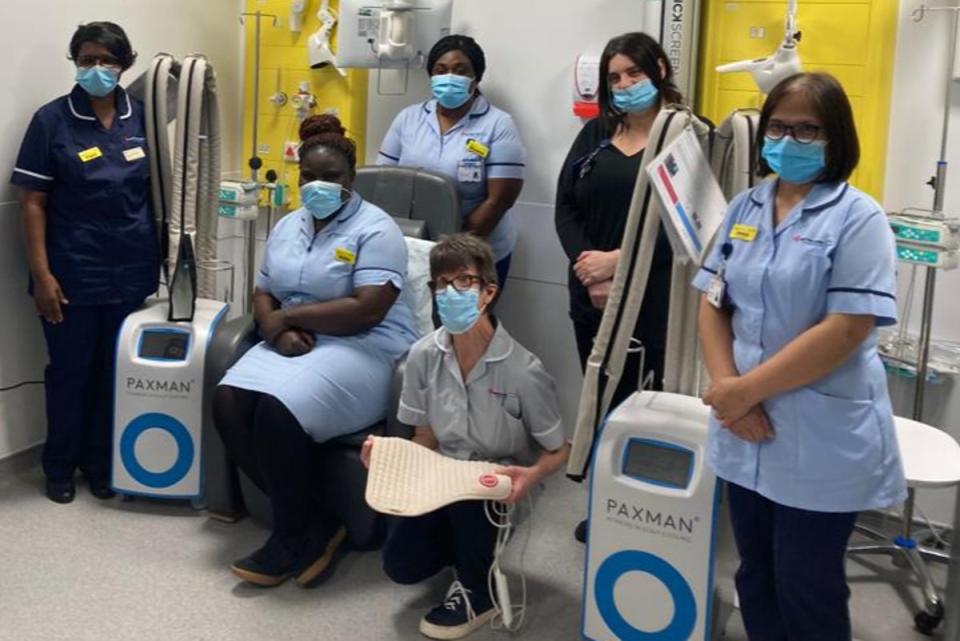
point(407, 479)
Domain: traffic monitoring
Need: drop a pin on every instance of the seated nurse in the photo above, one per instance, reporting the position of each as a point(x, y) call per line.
point(460, 134)
point(473, 393)
point(802, 426)
point(326, 305)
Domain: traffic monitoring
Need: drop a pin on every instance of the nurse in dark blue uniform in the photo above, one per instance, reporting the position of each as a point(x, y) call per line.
point(91, 245)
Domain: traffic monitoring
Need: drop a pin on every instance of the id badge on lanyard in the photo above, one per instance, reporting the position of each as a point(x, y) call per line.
point(717, 288)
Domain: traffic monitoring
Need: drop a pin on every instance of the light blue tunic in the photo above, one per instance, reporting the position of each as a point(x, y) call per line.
point(414, 140)
point(834, 449)
point(343, 384)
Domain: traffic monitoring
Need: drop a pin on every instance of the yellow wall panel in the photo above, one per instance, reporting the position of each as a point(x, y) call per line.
point(854, 40)
point(283, 66)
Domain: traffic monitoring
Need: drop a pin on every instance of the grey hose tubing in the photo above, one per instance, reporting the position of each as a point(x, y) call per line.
point(606, 361)
point(184, 189)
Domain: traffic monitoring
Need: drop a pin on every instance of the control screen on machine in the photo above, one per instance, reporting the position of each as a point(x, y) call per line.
point(658, 463)
point(164, 345)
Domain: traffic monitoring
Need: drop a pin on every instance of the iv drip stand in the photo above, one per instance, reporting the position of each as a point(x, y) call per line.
point(939, 183)
point(255, 162)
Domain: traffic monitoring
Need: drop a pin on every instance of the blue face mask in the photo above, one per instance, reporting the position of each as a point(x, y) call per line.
point(636, 98)
point(321, 198)
point(793, 161)
point(97, 80)
point(450, 90)
point(459, 311)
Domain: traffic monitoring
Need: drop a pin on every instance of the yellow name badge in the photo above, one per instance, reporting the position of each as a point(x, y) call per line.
point(136, 153)
point(743, 232)
point(89, 154)
point(478, 148)
point(344, 255)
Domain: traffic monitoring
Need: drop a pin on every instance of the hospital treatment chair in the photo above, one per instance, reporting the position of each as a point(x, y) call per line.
point(426, 206)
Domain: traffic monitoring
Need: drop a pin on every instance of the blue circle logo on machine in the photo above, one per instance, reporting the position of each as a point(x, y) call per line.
point(173, 427)
point(615, 566)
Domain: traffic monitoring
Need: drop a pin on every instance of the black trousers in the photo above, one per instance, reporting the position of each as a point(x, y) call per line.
point(792, 578)
point(585, 331)
point(458, 535)
point(79, 387)
point(266, 441)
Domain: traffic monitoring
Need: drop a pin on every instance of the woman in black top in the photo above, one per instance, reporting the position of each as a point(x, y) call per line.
point(593, 200)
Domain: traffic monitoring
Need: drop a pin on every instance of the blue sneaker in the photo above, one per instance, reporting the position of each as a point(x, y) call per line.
point(457, 616)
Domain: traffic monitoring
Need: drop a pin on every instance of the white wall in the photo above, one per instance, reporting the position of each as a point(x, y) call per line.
point(530, 48)
point(36, 71)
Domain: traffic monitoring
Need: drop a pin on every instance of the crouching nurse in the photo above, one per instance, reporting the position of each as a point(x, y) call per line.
point(473, 393)
point(802, 426)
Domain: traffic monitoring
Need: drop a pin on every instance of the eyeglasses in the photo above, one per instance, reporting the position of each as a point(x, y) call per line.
point(460, 282)
point(803, 133)
point(103, 61)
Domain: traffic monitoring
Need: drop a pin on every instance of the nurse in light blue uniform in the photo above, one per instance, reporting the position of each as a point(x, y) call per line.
point(327, 306)
point(460, 134)
point(361, 247)
point(802, 273)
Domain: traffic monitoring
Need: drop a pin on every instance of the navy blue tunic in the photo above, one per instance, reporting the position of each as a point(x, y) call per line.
point(102, 243)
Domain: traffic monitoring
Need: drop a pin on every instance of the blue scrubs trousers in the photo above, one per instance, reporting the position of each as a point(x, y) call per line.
point(79, 388)
point(792, 577)
point(458, 535)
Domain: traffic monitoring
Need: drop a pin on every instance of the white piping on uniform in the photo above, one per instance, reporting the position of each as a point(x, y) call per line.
point(33, 173)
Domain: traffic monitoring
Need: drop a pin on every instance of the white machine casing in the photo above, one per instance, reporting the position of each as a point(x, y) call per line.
point(656, 530)
point(367, 39)
point(158, 416)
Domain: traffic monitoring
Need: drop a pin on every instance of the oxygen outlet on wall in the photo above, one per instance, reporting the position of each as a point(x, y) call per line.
point(303, 101)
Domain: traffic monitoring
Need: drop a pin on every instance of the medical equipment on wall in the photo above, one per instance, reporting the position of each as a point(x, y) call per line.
point(303, 101)
point(390, 34)
point(586, 85)
point(784, 62)
point(297, 9)
point(655, 527)
point(279, 97)
point(159, 409)
point(318, 45)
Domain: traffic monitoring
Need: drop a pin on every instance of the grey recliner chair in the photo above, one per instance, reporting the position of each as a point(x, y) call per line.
point(425, 205)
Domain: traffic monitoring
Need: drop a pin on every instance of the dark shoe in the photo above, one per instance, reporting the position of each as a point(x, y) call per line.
point(580, 533)
point(61, 491)
point(460, 614)
point(271, 565)
point(101, 489)
point(318, 556)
